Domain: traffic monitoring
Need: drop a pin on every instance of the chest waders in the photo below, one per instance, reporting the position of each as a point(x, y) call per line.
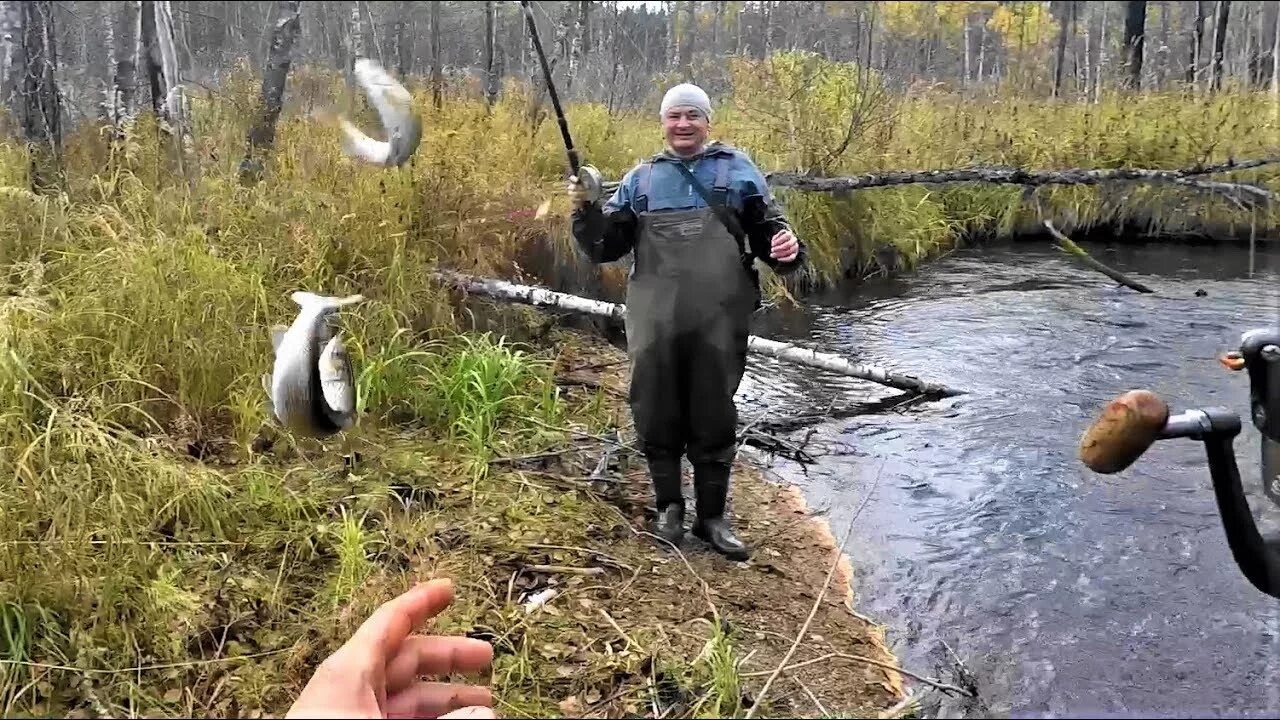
point(689, 303)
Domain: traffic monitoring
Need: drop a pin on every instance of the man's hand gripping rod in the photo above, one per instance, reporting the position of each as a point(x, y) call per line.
point(1131, 423)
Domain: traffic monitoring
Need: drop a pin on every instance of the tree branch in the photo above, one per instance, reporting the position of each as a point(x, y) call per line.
point(1033, 178)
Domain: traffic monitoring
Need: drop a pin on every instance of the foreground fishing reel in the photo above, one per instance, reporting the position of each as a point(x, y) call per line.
point(1132, 422)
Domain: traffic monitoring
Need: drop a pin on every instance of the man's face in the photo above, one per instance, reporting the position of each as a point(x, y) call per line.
point(685, 129)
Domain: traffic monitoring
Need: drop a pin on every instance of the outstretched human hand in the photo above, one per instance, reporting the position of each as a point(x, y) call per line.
point(375, 674)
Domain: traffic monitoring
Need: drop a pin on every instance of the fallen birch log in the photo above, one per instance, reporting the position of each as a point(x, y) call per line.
point(788, 352)
point(1031, 178)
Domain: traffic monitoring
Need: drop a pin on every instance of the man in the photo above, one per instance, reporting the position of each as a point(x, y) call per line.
point(690, 298)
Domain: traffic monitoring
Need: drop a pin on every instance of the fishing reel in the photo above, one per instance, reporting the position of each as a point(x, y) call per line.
point(1132, 422)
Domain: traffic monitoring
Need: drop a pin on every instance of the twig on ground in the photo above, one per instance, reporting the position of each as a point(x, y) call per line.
point(545, 455)
point(589, 383)
point(564, 570)
point(817, 601)
point(706, 589)
point(597, 366)
point(816, 703)
point(931, 682)
point(586, 551)
point(580, 433)
point(142, 668)
point(966, 677)
point(903, 706)
point(621, 633)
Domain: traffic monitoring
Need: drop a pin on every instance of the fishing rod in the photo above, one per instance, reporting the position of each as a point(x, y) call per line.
point(574, 163)
point(1132, 422)
point(590, 178)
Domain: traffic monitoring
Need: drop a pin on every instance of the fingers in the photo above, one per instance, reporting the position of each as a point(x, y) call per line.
point(785, 246)
point(391, 623)
point(430, 699)
point(475, 711)
point(436, 655)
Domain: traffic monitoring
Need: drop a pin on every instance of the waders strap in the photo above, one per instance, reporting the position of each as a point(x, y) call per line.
point(640, 203)
point(721, 209)
point(720, 190)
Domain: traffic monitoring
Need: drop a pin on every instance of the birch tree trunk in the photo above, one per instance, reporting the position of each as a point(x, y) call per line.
point(41, 110)
point(355, 38)
point(716, 28)
point(1060, 56)
point(437, 72)
point(968, 24)
point(105, 20)
point(262, 133)
point(580, 21)
point(1102, 54)
point(400, 34)
point(1219, 44)
point(373, 34)
point(156, 40)
point(1135, 21)
point(490, 69)
point(124, 79)
point(1197, 46)
point(982, 53)
point(766, 30)
point(739, 47)
point(10, 46)
point(686, 40)
point(1086, 82)
point(1275, 64)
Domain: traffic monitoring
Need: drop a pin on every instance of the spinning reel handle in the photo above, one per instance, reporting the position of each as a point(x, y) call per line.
point(1132, 422)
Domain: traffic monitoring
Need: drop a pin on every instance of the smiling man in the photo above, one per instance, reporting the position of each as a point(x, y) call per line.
point(696, 216)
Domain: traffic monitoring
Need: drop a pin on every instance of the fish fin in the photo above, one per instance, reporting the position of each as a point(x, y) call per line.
point(306, 299)
point(277, 337)
point(337, 381)
point(266, 385)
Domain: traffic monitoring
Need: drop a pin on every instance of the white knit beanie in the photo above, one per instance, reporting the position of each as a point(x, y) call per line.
point(686, 94)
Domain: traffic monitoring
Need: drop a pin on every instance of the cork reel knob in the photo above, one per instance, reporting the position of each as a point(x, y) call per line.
point(1126, 427)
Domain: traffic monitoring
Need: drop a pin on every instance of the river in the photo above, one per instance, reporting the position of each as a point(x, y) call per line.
point(1061, 591)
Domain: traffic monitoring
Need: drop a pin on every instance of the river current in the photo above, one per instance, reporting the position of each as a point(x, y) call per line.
point(1062, 592)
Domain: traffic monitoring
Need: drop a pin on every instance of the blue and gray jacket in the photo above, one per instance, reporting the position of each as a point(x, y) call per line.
point(607, 233)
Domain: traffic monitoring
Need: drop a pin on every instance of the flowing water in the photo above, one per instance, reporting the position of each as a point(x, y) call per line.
point(1062, 592)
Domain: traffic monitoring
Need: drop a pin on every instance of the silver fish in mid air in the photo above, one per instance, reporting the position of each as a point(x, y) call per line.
point(312, 385)
point(400, 120)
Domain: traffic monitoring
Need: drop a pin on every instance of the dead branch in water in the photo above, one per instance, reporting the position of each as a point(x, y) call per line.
point(1068, 246)
point(806, 418)
point(542, 297)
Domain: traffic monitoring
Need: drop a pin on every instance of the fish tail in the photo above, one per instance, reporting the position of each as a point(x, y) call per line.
point(309, 299)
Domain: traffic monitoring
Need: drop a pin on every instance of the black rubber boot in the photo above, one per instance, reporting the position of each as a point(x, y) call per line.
point(668, 495)
point(711, 485)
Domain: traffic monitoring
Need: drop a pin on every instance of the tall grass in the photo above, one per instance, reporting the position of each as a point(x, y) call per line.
point(148, 538)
